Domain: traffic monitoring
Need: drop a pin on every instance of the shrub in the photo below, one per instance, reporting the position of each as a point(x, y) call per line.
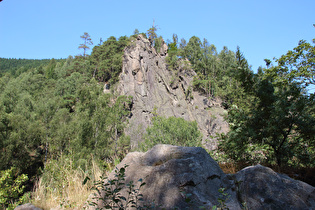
point(110, 192)
point(172, 130)
point(11, 188)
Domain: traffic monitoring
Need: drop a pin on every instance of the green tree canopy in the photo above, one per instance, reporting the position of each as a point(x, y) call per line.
point(106, 59)
point(279, 124)
point(296, 65)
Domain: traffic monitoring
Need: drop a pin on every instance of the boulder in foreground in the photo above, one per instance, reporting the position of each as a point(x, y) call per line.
point(173, 173)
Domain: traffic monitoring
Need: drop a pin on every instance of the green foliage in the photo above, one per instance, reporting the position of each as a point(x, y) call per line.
point(204, 85)
point(106, 59)
point(152, 36)
point(110, 192)
point(243, 74)
point(11, 188)
point(296, 65)
point(158, 43)
point(193, 52)
point(225, 75)
point(278, 125)
point(172, 130)
point(222, 199)
point(17, 66)
point(59, 110)
point(173, 54)
point(155, 40)
point(136, 32)
point(50, 69)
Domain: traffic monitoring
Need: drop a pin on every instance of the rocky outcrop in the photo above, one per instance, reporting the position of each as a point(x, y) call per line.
point(171, 173)
point(262, 188)
point(156, 89)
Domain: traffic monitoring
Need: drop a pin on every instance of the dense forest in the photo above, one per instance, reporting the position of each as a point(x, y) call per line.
point(56, 121)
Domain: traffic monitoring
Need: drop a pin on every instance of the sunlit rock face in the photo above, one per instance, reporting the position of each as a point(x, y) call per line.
point(156, 89)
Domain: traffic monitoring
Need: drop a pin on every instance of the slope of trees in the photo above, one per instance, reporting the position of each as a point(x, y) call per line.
point(54, 115)
point(17, 66)
point(54, 111)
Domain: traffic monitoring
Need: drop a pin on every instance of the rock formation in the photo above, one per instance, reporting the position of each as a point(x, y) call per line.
point(27, 206)
point(171, 173)
point(156, 89)
point(262, 188)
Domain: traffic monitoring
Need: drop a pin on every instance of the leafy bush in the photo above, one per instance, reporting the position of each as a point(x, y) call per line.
point(110, 192)
point(11, 188)
point(172, 130)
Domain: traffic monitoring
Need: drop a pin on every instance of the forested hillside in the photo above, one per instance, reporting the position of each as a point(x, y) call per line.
point(57, 122)
point(17, 66)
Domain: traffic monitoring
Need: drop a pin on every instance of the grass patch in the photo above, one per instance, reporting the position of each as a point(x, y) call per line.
point(65, 184)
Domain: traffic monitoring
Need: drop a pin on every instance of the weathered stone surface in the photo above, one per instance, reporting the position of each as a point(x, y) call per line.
point(171, 172)
point(262, 188)
point(154, 88)
point(27, 206)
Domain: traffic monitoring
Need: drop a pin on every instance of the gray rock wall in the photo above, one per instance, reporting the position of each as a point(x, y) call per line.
point(154, 88)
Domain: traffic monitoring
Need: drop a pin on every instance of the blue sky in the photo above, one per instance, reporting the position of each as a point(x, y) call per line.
point(51, 29)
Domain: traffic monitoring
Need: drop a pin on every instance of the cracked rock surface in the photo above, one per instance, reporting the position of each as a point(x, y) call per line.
point(172, 172)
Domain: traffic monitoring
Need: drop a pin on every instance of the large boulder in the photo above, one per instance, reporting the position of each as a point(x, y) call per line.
point(156, 89)
point(172, 173)
point(262, 188)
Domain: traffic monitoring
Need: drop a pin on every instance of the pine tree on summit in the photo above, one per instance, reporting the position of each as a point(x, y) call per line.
point(87, 41)
point(152, 34)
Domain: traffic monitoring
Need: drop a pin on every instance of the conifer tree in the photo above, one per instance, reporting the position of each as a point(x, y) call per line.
point(152, 34)
point(87, 41)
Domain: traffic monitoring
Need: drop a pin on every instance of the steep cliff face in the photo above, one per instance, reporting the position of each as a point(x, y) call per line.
point(158, 90)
